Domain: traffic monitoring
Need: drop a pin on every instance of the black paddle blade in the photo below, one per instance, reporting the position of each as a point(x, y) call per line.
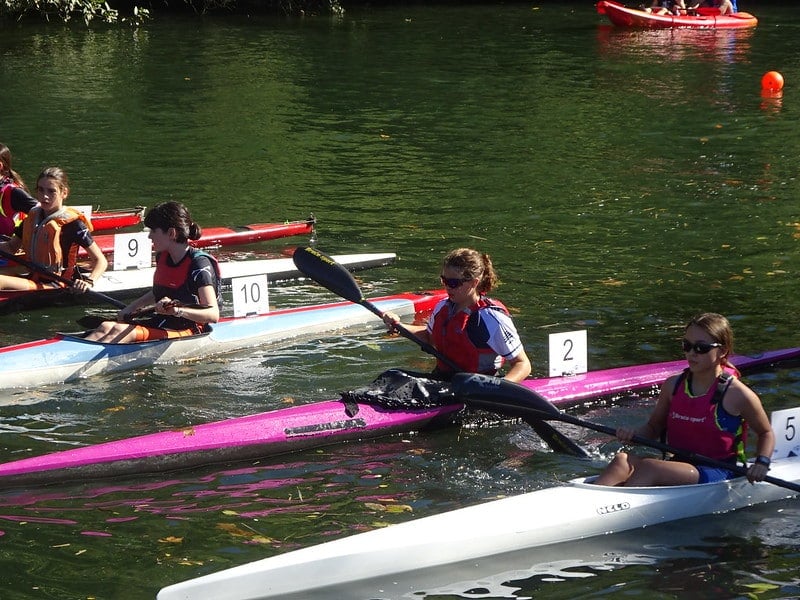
point(509, 398)
point(474, 386)
point(328, 273)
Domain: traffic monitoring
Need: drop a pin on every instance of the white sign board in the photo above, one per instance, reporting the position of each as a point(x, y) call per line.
point(786, 425)
point(132, 251)
point(568, 353)
point(250, 295)
point(86, 209)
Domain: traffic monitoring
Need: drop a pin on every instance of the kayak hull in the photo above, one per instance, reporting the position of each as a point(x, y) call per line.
point(312, 425)
point(622, 16)
point(68, 357)
point(555, 515)
point(125, 284)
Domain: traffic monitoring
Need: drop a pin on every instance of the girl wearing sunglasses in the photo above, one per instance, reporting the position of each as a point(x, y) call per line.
point(472, 330)
point(704, 410)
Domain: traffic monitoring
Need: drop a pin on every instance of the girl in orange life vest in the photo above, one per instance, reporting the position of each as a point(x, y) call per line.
point(184, 275)
point(702, 410)
point(50, 236)
point(470, 329)
point(15, 201)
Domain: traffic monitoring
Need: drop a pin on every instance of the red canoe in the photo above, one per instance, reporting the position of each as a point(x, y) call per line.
point(106, 220)
point(706, 18)
point(231, 236)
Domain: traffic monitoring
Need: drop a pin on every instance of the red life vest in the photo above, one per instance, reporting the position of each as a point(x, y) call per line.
point(701, 424)
point(41, 239)
point(175, 281)
point(9, 218)
point(463, 337)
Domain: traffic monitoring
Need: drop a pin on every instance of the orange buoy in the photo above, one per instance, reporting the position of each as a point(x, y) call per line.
point(772, 82)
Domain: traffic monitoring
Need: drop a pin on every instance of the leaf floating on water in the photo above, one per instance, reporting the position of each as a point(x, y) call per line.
point(373, 346)
point(760, 588)
point(613, 282)
point(171, 540)
point(251, 535)
point(230, 513)
point(287, 400)
point(188, 432)
point(374, 506)
point(114, 409)
point(399, 508)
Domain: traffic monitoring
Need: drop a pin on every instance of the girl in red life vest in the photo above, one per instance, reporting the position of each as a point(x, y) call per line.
point(704, 410)
point(184, 275)
point(15, 201)
point(50, 236)
point(472, 330)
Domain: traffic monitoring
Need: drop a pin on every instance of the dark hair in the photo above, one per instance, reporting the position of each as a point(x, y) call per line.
point(57, 173)
point(7, 170)
point(718, 327)
point(176, 216)
point(473, 264)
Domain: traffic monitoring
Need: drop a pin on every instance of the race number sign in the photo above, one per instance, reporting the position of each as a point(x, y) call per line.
point(132, 251)
point(786, 425)
point(568, 353)
point(250, 296)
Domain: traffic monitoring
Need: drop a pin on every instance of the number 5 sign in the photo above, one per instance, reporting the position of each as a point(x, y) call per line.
point(568, 353)
point(786, 426)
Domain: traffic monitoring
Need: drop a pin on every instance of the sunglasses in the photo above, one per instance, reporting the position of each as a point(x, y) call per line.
point(699, 347)
point(454, 282)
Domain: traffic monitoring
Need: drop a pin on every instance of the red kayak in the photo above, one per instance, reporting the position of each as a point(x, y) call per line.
point(701, 18)
point(231, 236)
point(106, 220)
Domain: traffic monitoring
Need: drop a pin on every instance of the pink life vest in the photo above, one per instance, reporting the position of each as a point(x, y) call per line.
point(700, 424)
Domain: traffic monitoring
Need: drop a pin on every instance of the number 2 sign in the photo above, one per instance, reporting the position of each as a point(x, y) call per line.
point(568, 353)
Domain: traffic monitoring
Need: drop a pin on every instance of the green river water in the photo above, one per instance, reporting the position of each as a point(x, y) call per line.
point(621, 181)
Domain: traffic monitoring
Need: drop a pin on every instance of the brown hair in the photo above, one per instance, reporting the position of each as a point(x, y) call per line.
point(719, 328)
point(173, 215)
point(7, 170)
point(473, 264)
point(56, 173)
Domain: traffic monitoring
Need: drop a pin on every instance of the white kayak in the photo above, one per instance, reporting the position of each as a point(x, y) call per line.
point(555, 515)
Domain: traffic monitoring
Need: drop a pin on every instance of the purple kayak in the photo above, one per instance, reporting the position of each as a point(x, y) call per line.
point(313, 425)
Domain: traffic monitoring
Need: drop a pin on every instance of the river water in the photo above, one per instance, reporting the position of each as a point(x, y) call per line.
point(621, 180)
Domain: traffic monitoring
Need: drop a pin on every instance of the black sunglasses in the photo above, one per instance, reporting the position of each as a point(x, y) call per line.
point(454, 282)
point(699, 347)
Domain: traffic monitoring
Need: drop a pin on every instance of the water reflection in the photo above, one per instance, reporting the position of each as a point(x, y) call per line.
point(674, 45)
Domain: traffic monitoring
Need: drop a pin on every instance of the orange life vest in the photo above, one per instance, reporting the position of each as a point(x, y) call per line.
point(41, 239)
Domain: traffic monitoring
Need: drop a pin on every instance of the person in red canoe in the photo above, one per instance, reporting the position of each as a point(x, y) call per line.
point(50, 236)
point(705, 410)
point(667, 7)
point(15, 201)
point(725, 7)
point(184, 276)
point(472, 330)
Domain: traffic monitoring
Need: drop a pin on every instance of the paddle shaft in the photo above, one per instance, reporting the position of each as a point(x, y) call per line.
point(691, 457)
point(33, 266)
point(330, 274)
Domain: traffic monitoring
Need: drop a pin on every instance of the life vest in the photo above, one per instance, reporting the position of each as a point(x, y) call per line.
point(41, 239)
point(701, 424)
point(176, 281)
point(464, 337)
point(9, 218)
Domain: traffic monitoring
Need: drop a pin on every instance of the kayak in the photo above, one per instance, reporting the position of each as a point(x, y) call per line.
point(106, 220)
point(67, 357)
point(706, 18)
point(132, 282)
point(315, 424)
point(229, 236)
point(575, 511)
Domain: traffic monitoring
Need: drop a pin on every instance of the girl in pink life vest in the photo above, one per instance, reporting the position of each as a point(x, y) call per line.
point(703, 410)
point(184, 275)
point(472, 330)
point(15, 201)
point(50, 236)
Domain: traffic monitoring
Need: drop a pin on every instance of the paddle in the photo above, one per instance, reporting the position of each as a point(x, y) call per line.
point(33, 266)
point(493, 393)
point(333, 276)
point(94, 321)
